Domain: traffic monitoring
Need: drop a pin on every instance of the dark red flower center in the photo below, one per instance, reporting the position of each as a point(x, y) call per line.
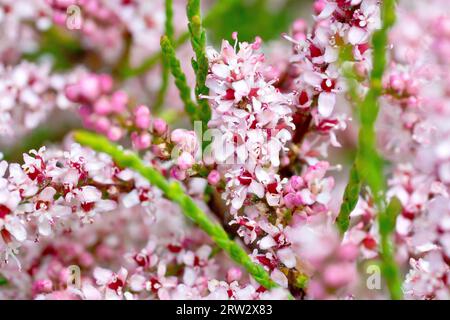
point(116, 284)
point(314, 51)
point(303, 98)
point(4, 210)
point(229, 94)
point(87, 206)
point(328, 84)
point(369, 243)
point(272, 187)
point(245, 178)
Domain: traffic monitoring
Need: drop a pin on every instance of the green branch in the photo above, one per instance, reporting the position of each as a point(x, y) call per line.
point(151, 61)
point(351, 195)
point(369, 164)
point(216, 11)
point(200, 64)
point(389, 267)
point(165, 72)
point(174, 192)
point(169, 29)
point(180, 78)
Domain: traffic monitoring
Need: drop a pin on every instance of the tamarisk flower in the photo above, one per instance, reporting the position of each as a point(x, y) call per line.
point(20, 22)
point(315, 70)
point(252, 118)
point(109, 26)
point(56, 190)
point(99, 26)
point(107, 111)
point(331, 263)
point(253, 125)
point(29, 93)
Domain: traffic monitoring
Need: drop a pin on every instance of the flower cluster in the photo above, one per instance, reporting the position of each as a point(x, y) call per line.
point(252, 208)
point(29, 93)
point(54, 190)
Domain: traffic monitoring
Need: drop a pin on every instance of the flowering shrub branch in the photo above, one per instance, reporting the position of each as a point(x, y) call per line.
point(350, 199)
point(368, 163)
point(180, 78)
point(217, 10)
point(245, 138)
point(174, 192)
point(200, 64)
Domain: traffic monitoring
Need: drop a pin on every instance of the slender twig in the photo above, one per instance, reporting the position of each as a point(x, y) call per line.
point(214, 13)
point(151, 61)
point(368, 163)
point(169, 29)
point(200, 64)
point(165, 74)
point(350, 199)
point(174, 192)
point(180, 78)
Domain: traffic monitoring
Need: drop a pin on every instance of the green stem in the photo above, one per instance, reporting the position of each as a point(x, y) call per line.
point(180, 77)
point(218, 9)
point(169, 29)
point(165, 74)
point(368, 163)
point(174, 192)
point(200, 64)
point(389, 268)
point(3, 281)
point(151, 61)
point(350, 200)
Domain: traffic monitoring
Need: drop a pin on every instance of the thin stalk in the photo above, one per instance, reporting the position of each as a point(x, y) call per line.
point(174, 192)
point(368, 163)
point(165, 75)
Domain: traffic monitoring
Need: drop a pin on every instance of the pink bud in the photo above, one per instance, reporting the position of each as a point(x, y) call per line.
point(119, 101)
point(412, 88)
point(106, 82)
point(72, 92)
point(177, 173)
point(159, 126)
point(185, 160)
point(102, 106)
point(63, 3)
point(90, 88)
point(157, 151)
point(319, 5)
point(86, 259)
point(89, 27)
point(339, 274)
point(299, 25)
point(396, 83)
point(142, 117)
point(290, 200)
point(234, 274)
point(178, 135)
point(257, 44)
point(104, 252)
point(297, 182)
point(294, 71)
point(348, 252)
point(59, 18)
point(114, 133)
point(213, 177)
point(102, 124)
point(285, 161)
point(42, 286)
point(316, 289)
point(141, 141)
point(64, 275)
